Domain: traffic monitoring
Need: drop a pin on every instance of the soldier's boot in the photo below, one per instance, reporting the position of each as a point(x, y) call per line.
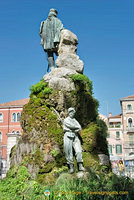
point(80, 167)
point(71, 168)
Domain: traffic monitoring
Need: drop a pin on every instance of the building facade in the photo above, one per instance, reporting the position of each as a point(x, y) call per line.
point(115, 137)
point(121, 136)
point(127, 105)
point(9, 123)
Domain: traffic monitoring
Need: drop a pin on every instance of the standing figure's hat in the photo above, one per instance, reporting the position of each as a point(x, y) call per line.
point(53, 11)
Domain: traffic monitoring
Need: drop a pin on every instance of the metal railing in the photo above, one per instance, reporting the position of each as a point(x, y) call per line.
point(130, 129)
point(115, 126)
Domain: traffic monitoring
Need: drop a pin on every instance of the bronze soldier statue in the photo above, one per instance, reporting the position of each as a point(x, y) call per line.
point(71, 141)
point(50, 36)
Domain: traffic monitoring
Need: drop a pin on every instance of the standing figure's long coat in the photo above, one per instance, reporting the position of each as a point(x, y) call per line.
point(50, 33)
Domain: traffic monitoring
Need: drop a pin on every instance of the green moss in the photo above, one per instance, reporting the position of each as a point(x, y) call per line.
point(26, 160)
point(90, 160)
point(37, 115)
point(47, 90)
point(40, 91)
point(47, 167)
point(56, 133)
point(46, 178)
point(41, 125)
point(85, 104)
point(38, 87)
point(38, 157)
point(54, 152)
point(89, 138)
point(94, 138)
point(47, 131)
point(102, 145)
point(83, 79)
point(59, 171)
point(73, 93)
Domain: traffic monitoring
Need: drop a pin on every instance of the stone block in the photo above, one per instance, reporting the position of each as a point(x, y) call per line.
point(70, 61)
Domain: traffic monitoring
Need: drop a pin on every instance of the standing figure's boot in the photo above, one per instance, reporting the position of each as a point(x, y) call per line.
point(50, 59)
point(80, 167)
point(71, 168)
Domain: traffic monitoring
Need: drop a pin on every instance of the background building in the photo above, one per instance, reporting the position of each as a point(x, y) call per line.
point(9, 123)
point(115, 137)
point(127, 105)
point(121, 137)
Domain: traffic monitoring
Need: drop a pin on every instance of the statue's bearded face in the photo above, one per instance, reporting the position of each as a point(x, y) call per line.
point(71, 114)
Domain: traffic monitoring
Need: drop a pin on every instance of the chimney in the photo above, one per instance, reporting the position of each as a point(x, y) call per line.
point(110, 115)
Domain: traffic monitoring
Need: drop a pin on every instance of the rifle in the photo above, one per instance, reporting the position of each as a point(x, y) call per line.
point(79, 133)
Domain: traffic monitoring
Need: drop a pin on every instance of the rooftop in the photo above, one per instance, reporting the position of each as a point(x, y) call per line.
point(116, 116)
point(15, 103)
point(127, 98)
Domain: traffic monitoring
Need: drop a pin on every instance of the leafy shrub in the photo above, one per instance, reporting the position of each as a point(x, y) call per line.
point(94, 186)
point(41, 86)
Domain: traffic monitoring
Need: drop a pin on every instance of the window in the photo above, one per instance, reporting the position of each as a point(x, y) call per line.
point(18, 117)
point(129, 107)
point(1, 117)
point(18, 132)
point(117, 135)
point(132, 153)
point(111, 125)
point(131, 139)
point(130, 122)
point(110, 149)
point(118, 149)
point(118, 125)
point(13, 131)
point(0, 137)
point(108, 135)
point(14, 117)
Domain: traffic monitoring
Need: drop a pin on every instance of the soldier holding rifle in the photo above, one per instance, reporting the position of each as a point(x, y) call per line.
point(72, 142)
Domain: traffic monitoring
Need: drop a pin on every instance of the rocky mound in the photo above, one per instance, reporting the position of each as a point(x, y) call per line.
point(40, 148)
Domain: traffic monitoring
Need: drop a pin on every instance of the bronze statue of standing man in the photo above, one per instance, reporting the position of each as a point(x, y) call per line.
point(50, 36)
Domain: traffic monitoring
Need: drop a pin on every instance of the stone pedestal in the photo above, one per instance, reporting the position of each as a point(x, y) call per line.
point(67, 50)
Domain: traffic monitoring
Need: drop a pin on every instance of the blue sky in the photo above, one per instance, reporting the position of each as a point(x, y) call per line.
point(105, 31)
